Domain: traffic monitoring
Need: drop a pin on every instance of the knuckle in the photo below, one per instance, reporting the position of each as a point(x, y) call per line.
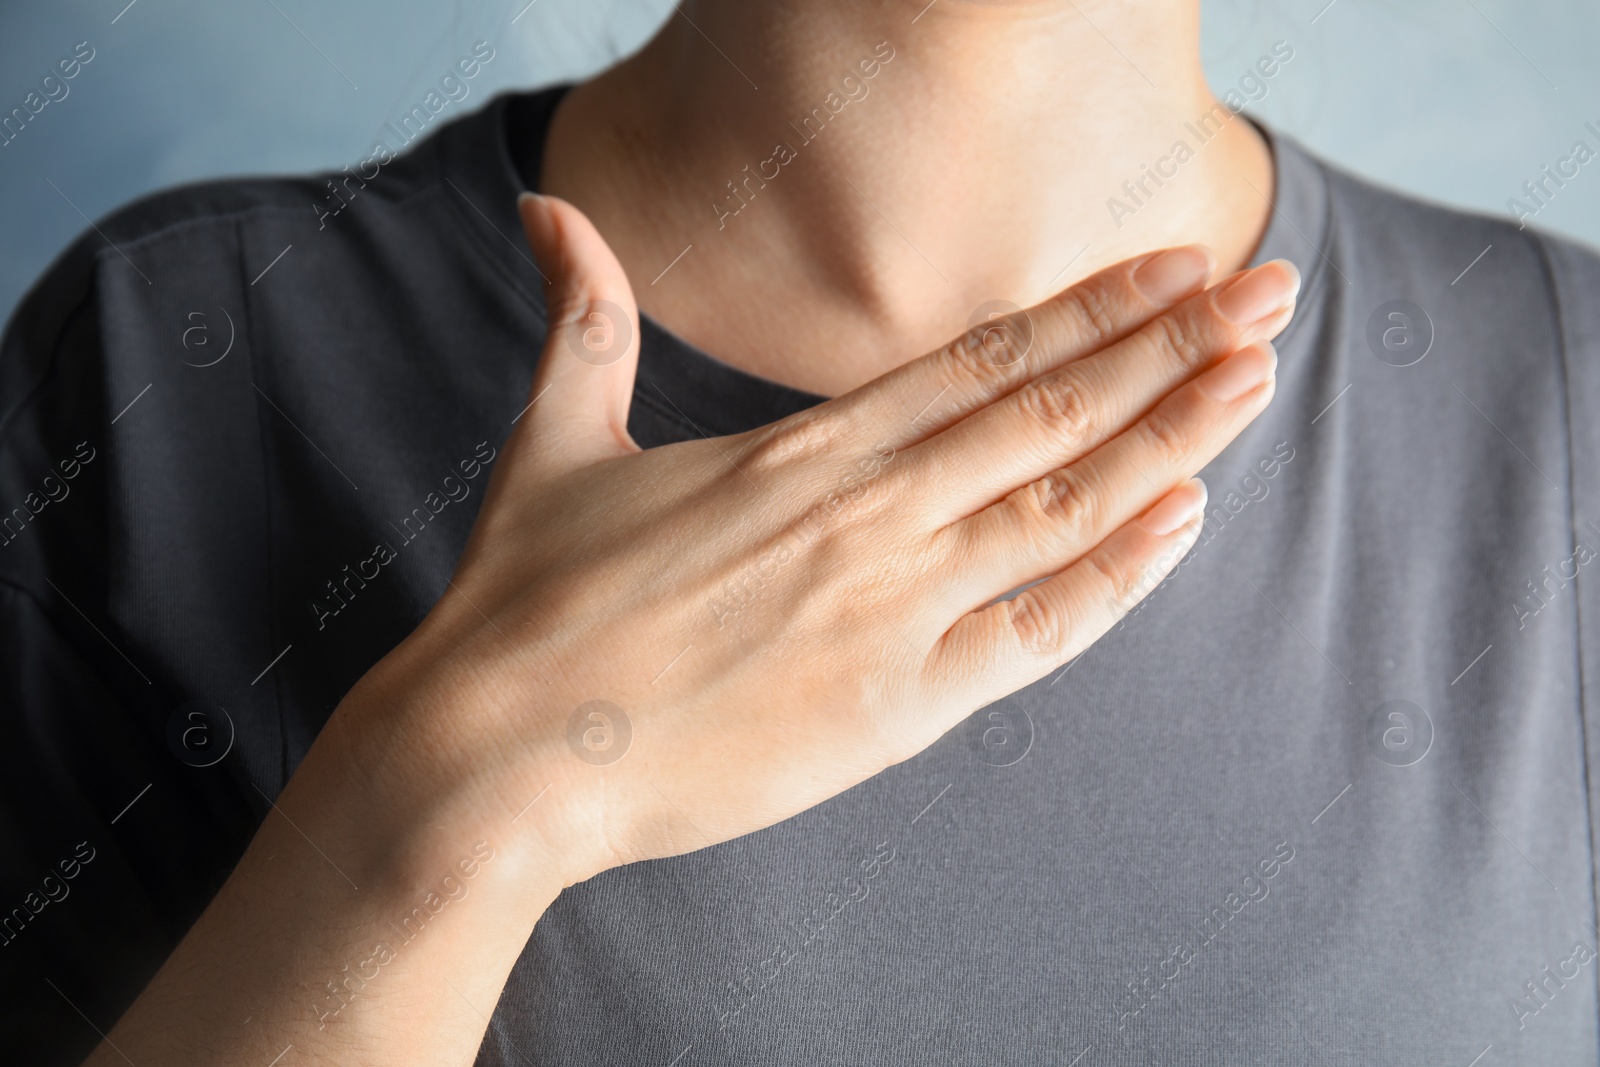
point(1039, 623)
point(1175, 335)
point(1118, 586)
point(1059, 405)
point(969, 354)
point(1091, 306)
point(1172, 433)
point(1058, 505)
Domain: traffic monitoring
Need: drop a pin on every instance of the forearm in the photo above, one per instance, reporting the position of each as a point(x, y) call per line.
point(871, 620)
point(375, 917)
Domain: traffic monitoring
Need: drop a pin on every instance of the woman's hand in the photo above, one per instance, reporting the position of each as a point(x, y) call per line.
point(676, 647)
point(644, 653)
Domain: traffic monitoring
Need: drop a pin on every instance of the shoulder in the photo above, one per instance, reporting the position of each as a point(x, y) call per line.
point(189, 242)
point(1492, 265)
point(402, 162)
point(1509, 312)
point(1501, 296)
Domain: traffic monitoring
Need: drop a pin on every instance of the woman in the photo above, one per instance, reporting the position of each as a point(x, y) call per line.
point(462, 645)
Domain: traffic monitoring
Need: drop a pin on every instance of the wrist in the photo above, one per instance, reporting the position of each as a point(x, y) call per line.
point(373, 873)
point(435, 760)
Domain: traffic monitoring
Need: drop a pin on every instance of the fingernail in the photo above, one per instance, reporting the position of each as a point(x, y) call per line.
point(525, 199)
point(1171, 275)
point(1259, 293)
point(1239, 373)
point(1176, 509)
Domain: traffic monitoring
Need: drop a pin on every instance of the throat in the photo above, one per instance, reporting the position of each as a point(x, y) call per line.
point(829, 199)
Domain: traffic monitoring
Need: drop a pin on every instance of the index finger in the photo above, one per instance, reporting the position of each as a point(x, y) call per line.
point(998, 355)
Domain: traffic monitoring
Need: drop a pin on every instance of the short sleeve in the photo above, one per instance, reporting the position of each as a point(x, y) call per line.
point(110, 846)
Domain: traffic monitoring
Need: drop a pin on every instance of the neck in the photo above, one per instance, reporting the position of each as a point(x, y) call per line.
point(855, 184)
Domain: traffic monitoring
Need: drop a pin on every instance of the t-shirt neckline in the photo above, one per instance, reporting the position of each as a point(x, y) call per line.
point(689, 386)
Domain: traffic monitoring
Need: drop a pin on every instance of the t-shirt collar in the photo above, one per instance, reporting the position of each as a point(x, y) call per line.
point(680, 381)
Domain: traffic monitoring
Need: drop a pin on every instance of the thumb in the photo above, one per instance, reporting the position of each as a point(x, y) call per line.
point(584, 383)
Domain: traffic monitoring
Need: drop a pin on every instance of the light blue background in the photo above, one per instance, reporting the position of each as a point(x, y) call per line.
point(1455, 99)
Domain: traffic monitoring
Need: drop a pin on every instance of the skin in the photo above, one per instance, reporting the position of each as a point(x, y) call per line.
point(977, 167)
point(778, 615)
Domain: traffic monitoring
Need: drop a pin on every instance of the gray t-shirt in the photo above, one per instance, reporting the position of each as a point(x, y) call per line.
point(1323, 799)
